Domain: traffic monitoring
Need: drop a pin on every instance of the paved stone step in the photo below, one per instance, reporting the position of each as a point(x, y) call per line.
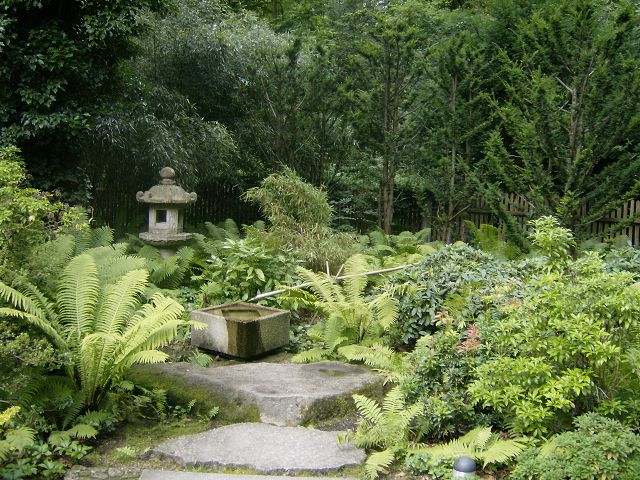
point(285, 394)
point(264, 448)
point(167, 475)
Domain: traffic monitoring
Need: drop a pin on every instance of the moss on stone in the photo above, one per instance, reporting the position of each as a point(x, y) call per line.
point(331, 409)
point(181, 391)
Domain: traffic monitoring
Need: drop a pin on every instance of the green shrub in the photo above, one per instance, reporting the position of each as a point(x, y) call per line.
point(560, 343)
point(455, 269)
point(25, 354)
point(441, 367)
point(245, 268)
point(300, 217)
point(27, 215)
point(598, 449)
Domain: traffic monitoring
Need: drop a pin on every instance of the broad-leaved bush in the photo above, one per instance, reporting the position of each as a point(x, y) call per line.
point(456, 268)
point(558, 344)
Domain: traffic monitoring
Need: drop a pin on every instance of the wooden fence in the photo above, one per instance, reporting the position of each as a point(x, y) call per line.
point(606, 227)
point(120, 210)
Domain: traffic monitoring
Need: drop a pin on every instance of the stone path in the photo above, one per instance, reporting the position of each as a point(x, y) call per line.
point(163, 475)
point(263, 448)
point(286, 394)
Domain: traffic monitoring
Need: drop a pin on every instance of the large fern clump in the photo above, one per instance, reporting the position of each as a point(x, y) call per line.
point(350, 317)
point(97, 316)
point(387, 428)
point(480, 443)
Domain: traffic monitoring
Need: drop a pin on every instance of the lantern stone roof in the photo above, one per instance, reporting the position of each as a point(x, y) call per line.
point(167, 192)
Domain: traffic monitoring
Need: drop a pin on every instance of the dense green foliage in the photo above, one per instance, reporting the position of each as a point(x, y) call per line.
point(539, 342)
point(335, 118)
point(58, 61)
point(599, 448)
point(26, 214)
point(97, 317)
point(456, 269)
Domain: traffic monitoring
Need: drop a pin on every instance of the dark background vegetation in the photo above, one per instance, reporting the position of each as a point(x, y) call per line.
point(399, 108)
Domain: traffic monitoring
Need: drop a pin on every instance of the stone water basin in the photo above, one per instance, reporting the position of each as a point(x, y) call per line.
point(241, 329)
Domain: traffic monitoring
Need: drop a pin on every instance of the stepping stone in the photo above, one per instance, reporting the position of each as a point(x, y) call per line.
point(285, 394)
point(166, 475)
point(263, 448)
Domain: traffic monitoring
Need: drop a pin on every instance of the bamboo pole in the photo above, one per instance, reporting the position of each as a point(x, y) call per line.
point(337, 278)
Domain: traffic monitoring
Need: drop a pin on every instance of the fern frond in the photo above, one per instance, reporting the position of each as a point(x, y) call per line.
point(41, 323)
point(58, 438)
point(38, 299)
point(310, 356)
point(20, 301)
point(386, 308)
point(58, 251)
point(356, 281)
point(368, 408)
point(336, 342)
point(78, 294)
point(20, 438)
point(149, 253)
point(120, 301)
point(82, 430)
point(147, 356)
point(454, 448)
point(323, 286)
point(394, 401)
point(116, 266)
point(163, 269)
point(477, 438)
point(502, 451)
point(377, 463)
point(377, 356)
point(101, 236)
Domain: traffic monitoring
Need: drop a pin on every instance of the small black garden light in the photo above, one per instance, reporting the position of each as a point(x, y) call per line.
point(464, 467)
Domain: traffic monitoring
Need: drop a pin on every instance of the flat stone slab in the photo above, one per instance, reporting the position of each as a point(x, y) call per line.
point(166, 475)
point(285, 394)
point(263, 448)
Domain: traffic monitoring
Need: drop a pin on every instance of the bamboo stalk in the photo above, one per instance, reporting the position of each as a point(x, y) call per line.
point(273, 293)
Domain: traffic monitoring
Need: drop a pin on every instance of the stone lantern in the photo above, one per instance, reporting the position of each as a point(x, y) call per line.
point(166, 213)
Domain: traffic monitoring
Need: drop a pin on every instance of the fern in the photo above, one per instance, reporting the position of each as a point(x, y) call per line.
point(350, 317)
point(379, 357)
point(387, 426)
point(103, 322)
point(378, 462)
point(480, 443)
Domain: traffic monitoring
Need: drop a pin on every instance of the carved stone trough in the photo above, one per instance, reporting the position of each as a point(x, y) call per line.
point(241, 329)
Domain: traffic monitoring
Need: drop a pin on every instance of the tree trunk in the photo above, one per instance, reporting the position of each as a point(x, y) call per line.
point(454, 153)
